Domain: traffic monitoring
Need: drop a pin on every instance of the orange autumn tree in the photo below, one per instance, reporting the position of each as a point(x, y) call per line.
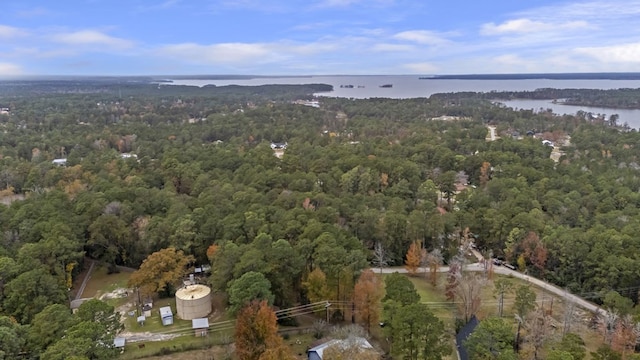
point(211, 251)
point(414, 258)
point(161, 271)
point(256, 334)
point(485, 170)
point(368, 294)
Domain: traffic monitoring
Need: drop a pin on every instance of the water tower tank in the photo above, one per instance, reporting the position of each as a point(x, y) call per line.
point(193, 302)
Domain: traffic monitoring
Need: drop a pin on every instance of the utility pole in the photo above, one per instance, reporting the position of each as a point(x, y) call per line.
point(326, 307)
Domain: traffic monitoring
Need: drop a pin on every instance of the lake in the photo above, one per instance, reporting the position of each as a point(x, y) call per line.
point(630, 116)
point(410, 86)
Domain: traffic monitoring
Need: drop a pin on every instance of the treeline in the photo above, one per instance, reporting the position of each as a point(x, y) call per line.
point(614, 98)
point(355, 174)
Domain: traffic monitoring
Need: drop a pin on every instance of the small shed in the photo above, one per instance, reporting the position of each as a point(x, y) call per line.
point(166, 315)
point(119, 343)
point(200, 326)
point(316, 353)
point(146, 310)
point(141, 319)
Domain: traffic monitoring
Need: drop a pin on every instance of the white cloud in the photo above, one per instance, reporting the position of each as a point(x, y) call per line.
point(338, 2)
point(164, 5)
point(624, 53)
point(393, 48)
point(603, 11)
point(92, 38)
point(242, 53)
point(227, 53)
point(9, 69)
point(10, 32)
point(34, 12)
point(421, 68)
point(510, 60)
point(345, 3)
point(520, 26)
point(421, 37)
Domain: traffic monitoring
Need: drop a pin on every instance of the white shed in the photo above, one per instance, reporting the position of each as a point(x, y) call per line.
point(166, 315)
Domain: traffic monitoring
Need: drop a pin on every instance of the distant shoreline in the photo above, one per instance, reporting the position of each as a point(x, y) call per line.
point(169, 77)
point(550, 76)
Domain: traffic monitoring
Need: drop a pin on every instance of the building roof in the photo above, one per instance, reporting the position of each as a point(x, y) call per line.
point(119, 342)
point(165, 311)
point(202, 323)
point(361, 342)
point(193, 292)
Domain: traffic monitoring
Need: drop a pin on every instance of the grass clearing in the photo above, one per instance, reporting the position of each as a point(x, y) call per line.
point(154, 322)
point(101, 282)
point(552, 304)
point(174, 348)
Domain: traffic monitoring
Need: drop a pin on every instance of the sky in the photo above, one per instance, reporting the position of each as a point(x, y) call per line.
point(317, 37)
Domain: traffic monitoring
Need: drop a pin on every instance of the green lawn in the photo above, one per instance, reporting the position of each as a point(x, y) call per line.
point(179, 344)
point(154, 323)
point(101, 282)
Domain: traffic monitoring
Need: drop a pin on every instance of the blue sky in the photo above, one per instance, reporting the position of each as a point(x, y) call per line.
point(317, 37)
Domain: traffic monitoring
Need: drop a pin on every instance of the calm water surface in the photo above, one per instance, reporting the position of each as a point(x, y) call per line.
point(410, 86)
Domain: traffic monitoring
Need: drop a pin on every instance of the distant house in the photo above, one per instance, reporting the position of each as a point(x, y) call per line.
point(316, 353)
point(128, 156)
point(59, 162)
point(278, 149)
point(279, 146)
point(166, 315)
point(462, 336)
point(200, 326)
point(547, 143)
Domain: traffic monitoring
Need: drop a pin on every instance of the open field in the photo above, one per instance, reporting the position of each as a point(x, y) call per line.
point(101, 282)
point(552, 304)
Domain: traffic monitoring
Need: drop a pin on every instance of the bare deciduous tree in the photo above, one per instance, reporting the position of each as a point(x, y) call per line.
point(569, 310)
point(468, 294)
point(433, 260)
point(380, 256)
point(539, 326)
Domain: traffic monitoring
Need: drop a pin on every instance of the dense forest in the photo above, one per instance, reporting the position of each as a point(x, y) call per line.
point(149, 167)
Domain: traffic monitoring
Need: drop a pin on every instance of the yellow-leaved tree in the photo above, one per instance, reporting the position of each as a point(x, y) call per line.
point(414, 258)
point(316, 286)
point(161, 271)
